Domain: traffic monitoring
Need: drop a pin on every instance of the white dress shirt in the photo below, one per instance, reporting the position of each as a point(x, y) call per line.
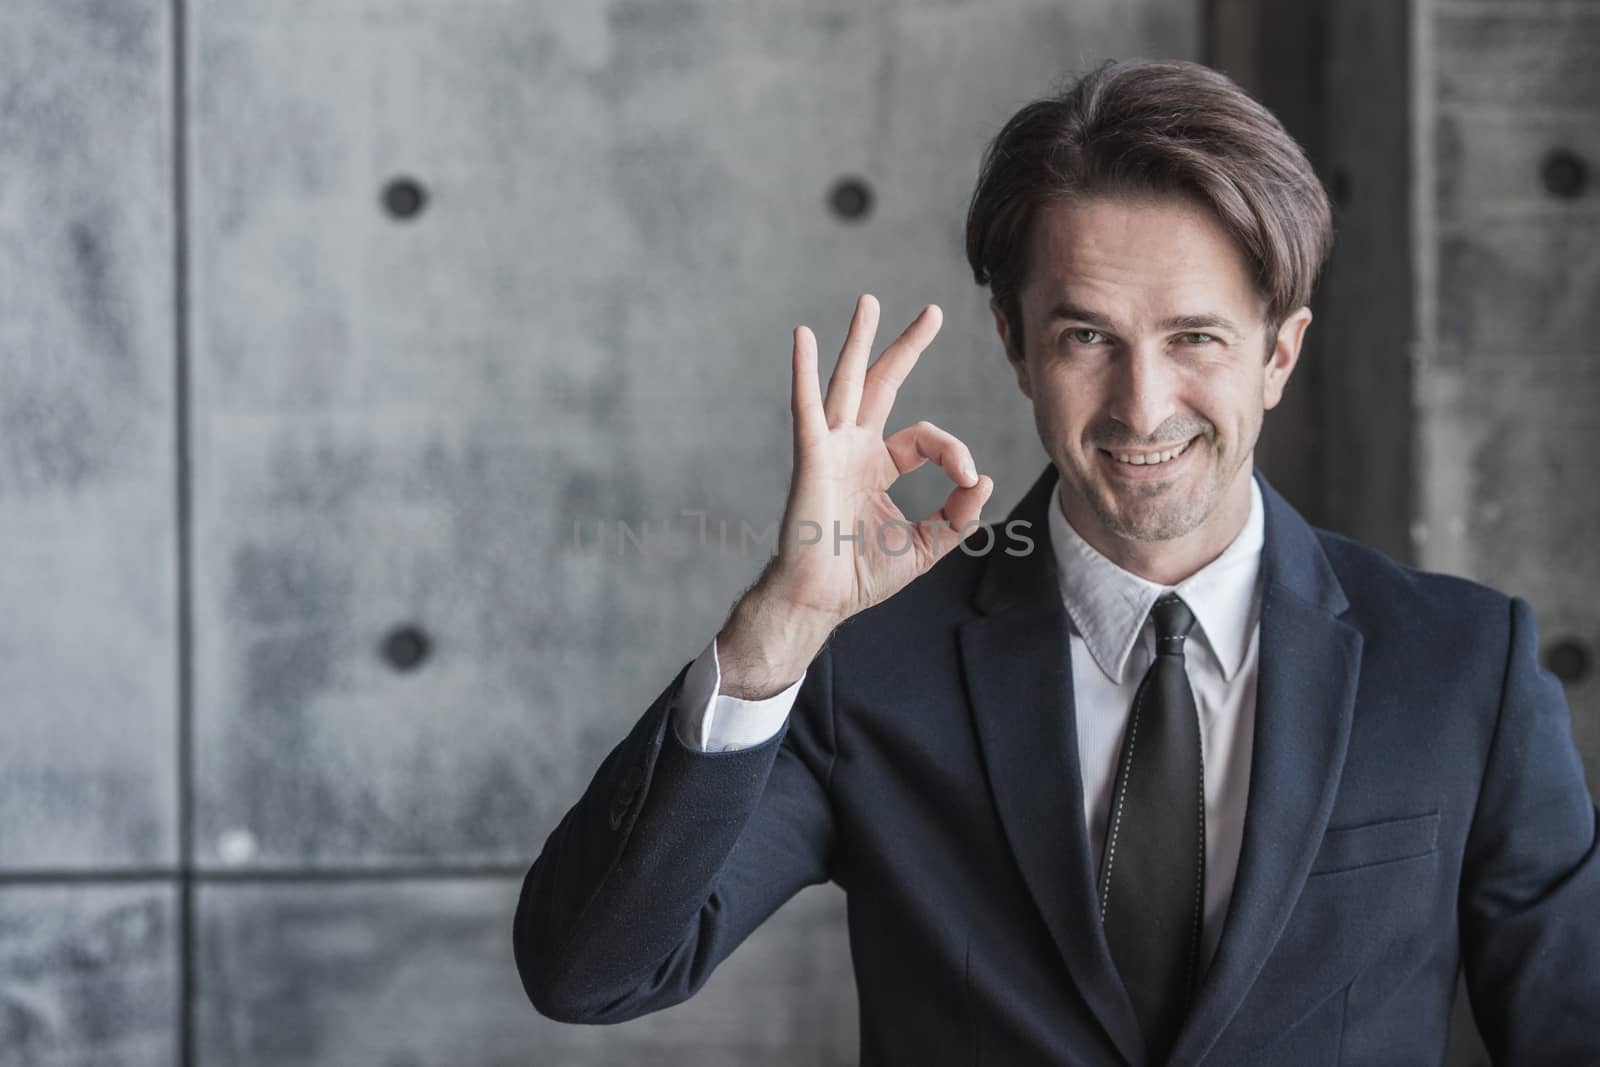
point(1112, 645)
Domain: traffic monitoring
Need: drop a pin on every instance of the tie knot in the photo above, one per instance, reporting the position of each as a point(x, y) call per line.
point(1173, 621)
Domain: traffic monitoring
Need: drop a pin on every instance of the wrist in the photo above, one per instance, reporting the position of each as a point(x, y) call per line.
point(767, 643)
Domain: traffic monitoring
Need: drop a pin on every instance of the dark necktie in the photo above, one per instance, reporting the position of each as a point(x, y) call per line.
point(1152, 870)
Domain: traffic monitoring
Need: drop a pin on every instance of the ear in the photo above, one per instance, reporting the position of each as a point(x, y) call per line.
point(1013, 351)
point(1285, 354)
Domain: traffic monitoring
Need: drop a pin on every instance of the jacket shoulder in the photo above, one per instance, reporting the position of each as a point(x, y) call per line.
point(1378, 584)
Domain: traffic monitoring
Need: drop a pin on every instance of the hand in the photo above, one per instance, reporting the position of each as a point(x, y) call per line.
point(843, 467)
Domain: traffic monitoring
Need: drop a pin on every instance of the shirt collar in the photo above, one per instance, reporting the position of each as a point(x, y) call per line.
point(1109, 605)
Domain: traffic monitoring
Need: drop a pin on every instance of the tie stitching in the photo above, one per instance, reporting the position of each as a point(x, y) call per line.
point(1116, 822)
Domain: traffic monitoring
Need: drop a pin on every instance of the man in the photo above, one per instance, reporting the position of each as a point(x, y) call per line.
point(1153, 773)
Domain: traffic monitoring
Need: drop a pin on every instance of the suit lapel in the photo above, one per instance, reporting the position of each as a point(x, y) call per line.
point(1019, 675)
point(1018, 667)
point(1305, 698)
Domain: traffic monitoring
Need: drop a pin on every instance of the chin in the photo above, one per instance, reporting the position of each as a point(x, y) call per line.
point(1162, 528)
point(1162, 512)
point(1161, 523)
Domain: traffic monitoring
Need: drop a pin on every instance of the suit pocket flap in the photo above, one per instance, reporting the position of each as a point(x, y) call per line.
point(1377, 842)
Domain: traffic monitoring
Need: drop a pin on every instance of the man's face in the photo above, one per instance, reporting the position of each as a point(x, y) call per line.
point(1143, 334)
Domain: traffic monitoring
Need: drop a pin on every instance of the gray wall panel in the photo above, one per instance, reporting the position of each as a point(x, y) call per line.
point(400, 421)
point(88, 976)
point(414, 973)
point(1508, 376)
point(1520, 289)
point(87, 641)
point(1490, 161)
point(1516, 55)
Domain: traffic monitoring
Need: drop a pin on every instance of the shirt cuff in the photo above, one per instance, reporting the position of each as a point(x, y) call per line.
point(708, 721)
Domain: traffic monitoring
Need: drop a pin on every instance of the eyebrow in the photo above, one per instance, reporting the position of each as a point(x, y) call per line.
point(1176, 322)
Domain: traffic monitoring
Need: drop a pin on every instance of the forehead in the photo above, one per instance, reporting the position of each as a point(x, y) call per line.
point(1136, 258)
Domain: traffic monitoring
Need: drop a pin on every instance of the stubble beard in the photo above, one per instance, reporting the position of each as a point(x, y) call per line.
point(1152, 512)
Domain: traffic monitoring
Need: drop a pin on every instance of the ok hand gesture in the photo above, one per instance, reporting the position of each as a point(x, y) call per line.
point(844, 545)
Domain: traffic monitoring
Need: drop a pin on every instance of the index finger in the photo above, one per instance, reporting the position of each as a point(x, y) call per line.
point(805, 399)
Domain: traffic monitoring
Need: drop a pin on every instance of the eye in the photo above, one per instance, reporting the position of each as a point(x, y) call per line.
point(1082, 335)
point(1196, 338)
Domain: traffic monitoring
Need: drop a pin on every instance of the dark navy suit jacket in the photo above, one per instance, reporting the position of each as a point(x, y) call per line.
point(1416, 802)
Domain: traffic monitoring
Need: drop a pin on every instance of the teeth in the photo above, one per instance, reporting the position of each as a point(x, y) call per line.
point(1138, 459)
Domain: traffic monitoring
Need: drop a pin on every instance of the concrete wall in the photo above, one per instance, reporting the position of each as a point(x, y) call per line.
point(89, 645)
point(325, 322)
point(1508, 347)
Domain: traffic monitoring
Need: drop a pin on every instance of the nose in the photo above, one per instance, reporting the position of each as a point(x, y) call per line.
point(1143, 391)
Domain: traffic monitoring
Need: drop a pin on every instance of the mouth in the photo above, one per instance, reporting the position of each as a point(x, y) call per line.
point(1146, 465)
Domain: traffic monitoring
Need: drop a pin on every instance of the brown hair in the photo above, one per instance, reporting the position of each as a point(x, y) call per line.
point(1142, 127)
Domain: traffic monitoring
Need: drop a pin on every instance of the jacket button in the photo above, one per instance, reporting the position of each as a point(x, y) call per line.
point(627, 790)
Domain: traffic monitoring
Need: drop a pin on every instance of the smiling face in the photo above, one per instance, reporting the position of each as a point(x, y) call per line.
point(1143, 334)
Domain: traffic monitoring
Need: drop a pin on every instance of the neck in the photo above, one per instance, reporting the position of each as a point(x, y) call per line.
point(1171, 561)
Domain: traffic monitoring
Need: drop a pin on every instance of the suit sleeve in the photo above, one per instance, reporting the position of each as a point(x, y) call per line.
point(1530, 889)
point(671, 857)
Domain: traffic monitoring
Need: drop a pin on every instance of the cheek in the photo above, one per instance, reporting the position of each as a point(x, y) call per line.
point(1232, 404)
point(1065, 405)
